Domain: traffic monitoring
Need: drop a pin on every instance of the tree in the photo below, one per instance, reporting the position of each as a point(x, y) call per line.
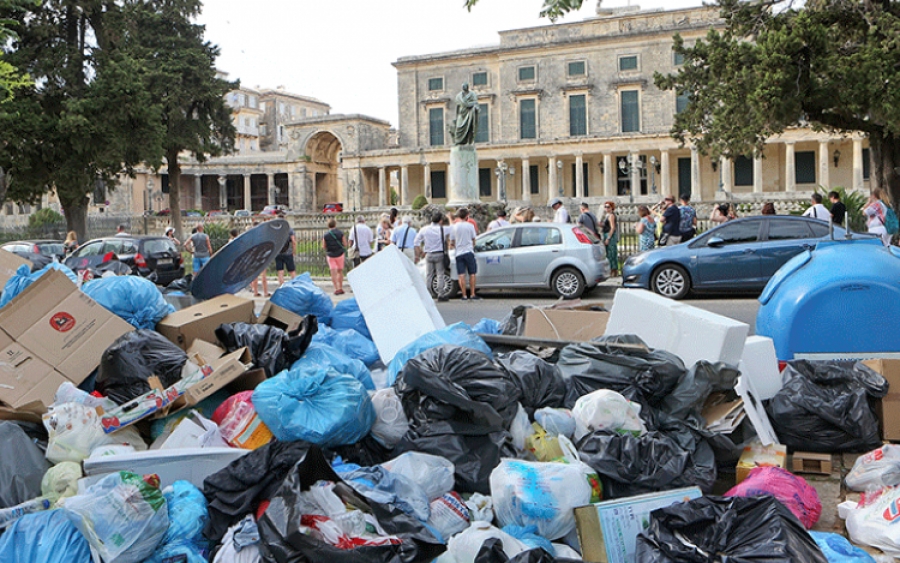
point(832, 65)
point(182, 78)
point(552, 9)
point(10, 78)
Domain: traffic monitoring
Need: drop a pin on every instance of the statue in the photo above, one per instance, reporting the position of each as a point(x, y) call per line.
point(466, 117)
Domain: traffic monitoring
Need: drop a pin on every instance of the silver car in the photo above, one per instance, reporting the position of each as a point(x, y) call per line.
point(561, 257)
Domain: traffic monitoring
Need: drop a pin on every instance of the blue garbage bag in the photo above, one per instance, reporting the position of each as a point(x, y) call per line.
point(321, 356)
point(184, 540)
point(48, 537)
point(530, 537)
point(349, 342)
point(487, 326)
point(347, 315)
point(459, 334)
point(24, 277)
point(133, 298)
point(303, 297)
point(326, 408)
point(838, 549)
point(380, 485)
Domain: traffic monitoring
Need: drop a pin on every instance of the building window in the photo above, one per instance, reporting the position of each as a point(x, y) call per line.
point(628, 63)
point(479, 79)
point(435, 84)
point(302, 112)
point(280, 107)
point(484, 182)
point(527, 119)
point(743, 171)
point(867, 166)
point(253, 102)
point(262, 107)
point(438, 184)
point(576, 68)
point(805, 167)
point(578, 115)
point(241, 99)
point(533, 172)
point(681, 102)
point(484, 134)
point(631, 111)
point(526, 73)
point(677, 59)
point(436, 126)
point(262, 129)
point(280, 132)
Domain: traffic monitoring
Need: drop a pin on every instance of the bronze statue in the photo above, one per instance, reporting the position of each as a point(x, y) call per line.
point(466, 117)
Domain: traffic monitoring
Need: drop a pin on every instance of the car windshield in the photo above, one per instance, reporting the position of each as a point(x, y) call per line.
point(152, 246)
point(51, 248)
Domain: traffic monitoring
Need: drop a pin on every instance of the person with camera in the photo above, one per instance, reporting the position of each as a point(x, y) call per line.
point(431, 242)
point(671, 221)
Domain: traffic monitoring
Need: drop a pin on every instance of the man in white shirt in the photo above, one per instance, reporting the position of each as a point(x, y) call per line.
point(561, 216)
point(361, 235)
point(404, 238)
point(817, 210)
point(121, 232)
point(500, 221)
point(463, 237)
point(431, 242)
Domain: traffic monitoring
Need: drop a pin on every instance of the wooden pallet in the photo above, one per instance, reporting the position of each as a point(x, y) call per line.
point(809, 462)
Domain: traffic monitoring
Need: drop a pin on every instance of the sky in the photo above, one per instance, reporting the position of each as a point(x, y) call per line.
point(340, 51)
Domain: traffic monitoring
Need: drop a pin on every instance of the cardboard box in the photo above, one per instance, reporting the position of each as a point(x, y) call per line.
point(226, 370)
point(279, 317)
point(25, 378)
point(757, 455)
point(63, 327)
point(577, 325)
point(201, 320)
point(9, 263)
point(608, 530)
point(889, 413)
point(209, 352)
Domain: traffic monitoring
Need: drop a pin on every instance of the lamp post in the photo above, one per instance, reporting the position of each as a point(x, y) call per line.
point(629, 166)
point(654, 168)
point(559, 188)
point(500, 172)
point(150, 193)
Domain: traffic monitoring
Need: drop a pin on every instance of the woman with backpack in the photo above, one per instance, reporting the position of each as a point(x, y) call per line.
point(877, 217)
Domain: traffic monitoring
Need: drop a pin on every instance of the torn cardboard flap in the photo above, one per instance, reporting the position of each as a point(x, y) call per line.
point(577, 325)
point(9, 263)
point(279, 317)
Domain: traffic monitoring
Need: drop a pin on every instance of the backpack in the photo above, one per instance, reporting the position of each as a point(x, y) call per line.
point(891, 224)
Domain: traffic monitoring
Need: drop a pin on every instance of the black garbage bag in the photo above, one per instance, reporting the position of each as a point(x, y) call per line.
point(181, 284)
point(827, 407)
point(365, 453)
point(539, 382)
point(641, 375)
point(459, 405)
point(670, 455)
point(492, 552)
point(690, 393)
point(737, 530)
point(270, 347)
point(127, 364)
point(22, 466)
point(114, 266)
point(512, 324)
point(237, 490)
point(283, 539)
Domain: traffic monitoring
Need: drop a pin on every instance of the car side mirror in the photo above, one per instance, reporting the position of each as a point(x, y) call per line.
point(715, 242)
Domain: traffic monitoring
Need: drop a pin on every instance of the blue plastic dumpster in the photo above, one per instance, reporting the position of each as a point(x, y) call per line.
point(840, 300)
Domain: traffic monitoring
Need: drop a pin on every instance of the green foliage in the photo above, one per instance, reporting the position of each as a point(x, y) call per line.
point(45, 216)
point(395, 199)
point(420, 202)
point(218, 233)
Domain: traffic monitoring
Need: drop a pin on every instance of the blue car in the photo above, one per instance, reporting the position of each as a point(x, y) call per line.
point(740, 255)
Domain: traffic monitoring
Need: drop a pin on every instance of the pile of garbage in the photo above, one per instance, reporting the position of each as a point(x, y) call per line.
point(211, 434)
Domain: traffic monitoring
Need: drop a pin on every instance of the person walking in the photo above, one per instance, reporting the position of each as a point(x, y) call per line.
point(561, 215)
point(403, 238)
point(838, 209)
point(285, 259)
point(816, 210)
point(335, 244)
point(610, 236)
point(362, 238)
point(876, 212)
point(70, 245)
point(500, 221)
point(431, 242)
point(200, 247)
point(671, 220)
point(646, 229)
point(688, 221)
point(383, 232)
point(587, 219)
point(462, 235)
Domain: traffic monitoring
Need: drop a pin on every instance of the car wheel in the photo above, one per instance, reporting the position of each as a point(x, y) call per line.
point(671, 281)
point(449, 285)
point(567, 283)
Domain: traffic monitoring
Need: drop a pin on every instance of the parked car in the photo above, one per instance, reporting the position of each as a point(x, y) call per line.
point(333, 208)
point(242, 213)
point(740, 255)
point(563, 258)
point(273, 210)
point(218, 213)
point(38, 252)
point(145, 255)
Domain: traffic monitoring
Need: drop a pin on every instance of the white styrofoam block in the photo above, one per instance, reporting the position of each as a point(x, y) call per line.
point(688, 332)
point(760, 364)
point(394, 300)
point(755, 411)
point(187, 464)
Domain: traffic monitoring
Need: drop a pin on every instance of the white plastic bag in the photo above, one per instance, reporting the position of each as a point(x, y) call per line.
point(448, 515)
point(61, 481)
point(232, 552)
point(433, 473)
point(481, 508)
point(122, 516)
point(390, 420)
point(556, 421)
point(878, 468)
point(606, 410)
point(75, 431)
point(874, 521)
point(542, 494)
point(520, 429)
point(464, 547)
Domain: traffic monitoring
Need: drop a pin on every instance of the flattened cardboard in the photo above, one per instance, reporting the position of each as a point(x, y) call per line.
point(201, 320)
point(209, 352)
point(564, 324)
point(279, 317)
point(225, 371)
point(889, 411)
point(9, 263)
point(25, 378)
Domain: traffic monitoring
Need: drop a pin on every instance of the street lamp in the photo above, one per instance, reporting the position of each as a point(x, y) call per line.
point(654, 168)
point(559, 188)
point(500, 172)
point(150, 192)
point(629, 165)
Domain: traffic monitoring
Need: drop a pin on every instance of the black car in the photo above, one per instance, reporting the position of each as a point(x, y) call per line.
point(38, 252)
point(145, 255)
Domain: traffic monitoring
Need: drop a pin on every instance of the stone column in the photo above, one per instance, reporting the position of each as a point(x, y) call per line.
point(726, 165)
point(382, 188)
point(824, 176)
point(790, 168)
point(426, 180)
point(696, 188)
point(404, 185)
point(526, 180)
point(857, 164)
point(635, 180)
point(553, 183)
point(270, 188)
point(665, 173)
point(223, 192)
point(579, 176)
point(609, 176)
point(757, 174)
point(198, 191)
point(312, 191)
point(247, 194)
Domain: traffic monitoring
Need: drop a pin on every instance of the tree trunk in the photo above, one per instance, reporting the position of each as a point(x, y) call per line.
point(175, 191)
point(885, 151)
point(76, 217)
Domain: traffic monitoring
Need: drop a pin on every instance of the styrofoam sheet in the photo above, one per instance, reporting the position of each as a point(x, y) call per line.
point(187, 464)
point(688, 332)
point(394, 301)
point(760, 364)
point(755, 411)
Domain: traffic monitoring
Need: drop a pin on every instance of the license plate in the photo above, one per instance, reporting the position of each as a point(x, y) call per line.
point(164, 262)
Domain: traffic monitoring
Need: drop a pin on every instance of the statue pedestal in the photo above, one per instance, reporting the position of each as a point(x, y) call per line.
point(463, 188)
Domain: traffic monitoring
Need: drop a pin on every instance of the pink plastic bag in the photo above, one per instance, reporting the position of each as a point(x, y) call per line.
point(793, 491)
